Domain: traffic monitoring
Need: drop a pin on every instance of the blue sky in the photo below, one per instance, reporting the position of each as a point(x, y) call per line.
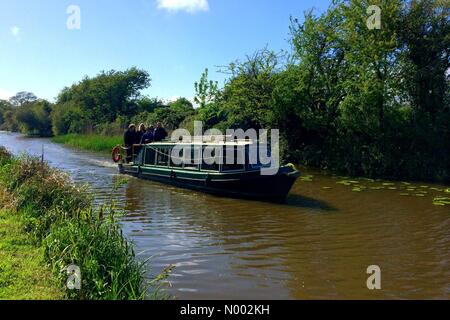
point(174, 40)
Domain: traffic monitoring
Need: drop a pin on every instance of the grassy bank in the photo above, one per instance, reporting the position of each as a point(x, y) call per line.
point(93, 142)
point(23, 270)
point(60, 225)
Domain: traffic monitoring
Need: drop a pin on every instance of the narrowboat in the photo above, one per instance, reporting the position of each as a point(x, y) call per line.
point(154, 162)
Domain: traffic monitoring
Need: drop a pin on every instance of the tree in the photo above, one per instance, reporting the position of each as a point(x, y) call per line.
point(208, 96)
point(182, 105)
point(171, 115)
point(147, 104)
point(4, 106)
point(348, 98)
point(22, 98)
point(67, 118)
point(425, 34)
point(247, 95)
point(206, 91)
point(108, 95)
point(34, 118)
point(10, 123)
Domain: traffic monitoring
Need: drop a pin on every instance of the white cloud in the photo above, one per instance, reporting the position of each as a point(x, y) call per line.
point(15, 31)
point(190, 6)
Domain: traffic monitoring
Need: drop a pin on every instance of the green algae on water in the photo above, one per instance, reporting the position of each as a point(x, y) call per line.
point(441, 201)
point(307, 178)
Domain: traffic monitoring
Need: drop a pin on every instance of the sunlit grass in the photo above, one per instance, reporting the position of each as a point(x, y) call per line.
point(92, 142)
point(23, 271)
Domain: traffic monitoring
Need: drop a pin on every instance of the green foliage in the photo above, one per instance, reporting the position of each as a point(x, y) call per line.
point(206, 91)
point(182, 106)
point(34, 118)
point(4, 106)
point(207, 96)
point(247, 95)
point(9, 121)
point(115, 128)
point(93, 241)
point(67, 118)
point(7, 117)
point(72, 232)
point(171, 115)
point(344, 102)
point(39, 190)
point(146, 104)
point(108, 95)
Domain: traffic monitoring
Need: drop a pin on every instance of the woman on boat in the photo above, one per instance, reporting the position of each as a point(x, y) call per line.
point(140, 133)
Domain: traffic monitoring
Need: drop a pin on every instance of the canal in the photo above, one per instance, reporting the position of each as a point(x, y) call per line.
point(318, 244)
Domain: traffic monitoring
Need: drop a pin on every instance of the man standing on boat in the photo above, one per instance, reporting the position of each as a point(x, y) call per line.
point(160, 133)
point(129, 139)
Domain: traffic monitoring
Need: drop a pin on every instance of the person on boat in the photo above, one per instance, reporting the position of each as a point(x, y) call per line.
point(148, 135)
point(140, 133)
point(160, 133)
point(129, 138)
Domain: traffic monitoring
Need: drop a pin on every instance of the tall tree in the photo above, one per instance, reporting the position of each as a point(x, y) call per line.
point(22, 98)
point(108, 95)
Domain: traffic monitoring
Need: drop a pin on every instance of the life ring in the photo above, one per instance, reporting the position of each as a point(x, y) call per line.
point(116, 156)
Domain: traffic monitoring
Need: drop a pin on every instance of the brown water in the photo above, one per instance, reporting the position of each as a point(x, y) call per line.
point(317, 245)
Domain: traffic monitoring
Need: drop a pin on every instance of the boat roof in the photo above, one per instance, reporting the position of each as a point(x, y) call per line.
point(170, 143)
point(241, 142)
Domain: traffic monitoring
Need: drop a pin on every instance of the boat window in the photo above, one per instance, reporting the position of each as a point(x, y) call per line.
point(149, 156)
point(208, 166)
point(178, 163)
point(233, 158)
point(162, 158)
point(192, 163)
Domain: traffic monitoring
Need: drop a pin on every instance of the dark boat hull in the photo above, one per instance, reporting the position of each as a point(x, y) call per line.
point(249, 184)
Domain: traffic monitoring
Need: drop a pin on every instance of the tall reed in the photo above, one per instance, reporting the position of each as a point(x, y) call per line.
point(62, 218)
